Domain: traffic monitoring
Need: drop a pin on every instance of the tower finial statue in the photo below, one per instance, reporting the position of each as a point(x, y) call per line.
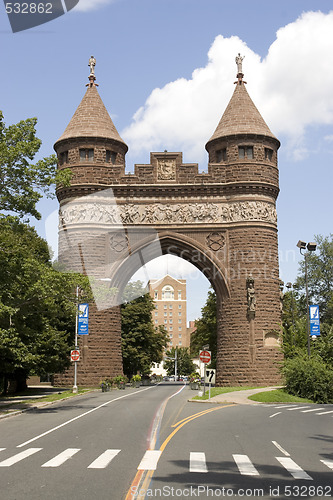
point(239, 61)
point(92, 64)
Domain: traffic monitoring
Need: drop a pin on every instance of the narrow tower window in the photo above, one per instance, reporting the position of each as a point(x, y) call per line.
point(245, 152)
point(86, 155)
point(110, 157)
point(221, 155)
point(63, 157)
point(268, 154)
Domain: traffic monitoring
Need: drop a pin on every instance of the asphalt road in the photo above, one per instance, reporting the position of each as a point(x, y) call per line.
point(153, 443)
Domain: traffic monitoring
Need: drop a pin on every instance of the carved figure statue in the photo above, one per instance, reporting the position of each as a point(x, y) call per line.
point(251, 298)
point(239, 61)
point(92, 64)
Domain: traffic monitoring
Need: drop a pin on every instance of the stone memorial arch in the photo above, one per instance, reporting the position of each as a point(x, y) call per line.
point(224, 222)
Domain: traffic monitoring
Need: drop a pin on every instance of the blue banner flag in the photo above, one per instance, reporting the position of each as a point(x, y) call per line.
point(83, 319)
point(314, 320)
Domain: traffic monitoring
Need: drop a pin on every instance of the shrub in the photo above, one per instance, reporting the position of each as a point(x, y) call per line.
point(309, 378)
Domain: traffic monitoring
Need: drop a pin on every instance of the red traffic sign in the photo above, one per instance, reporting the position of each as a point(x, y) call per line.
point(205, 356)
point(75, 355)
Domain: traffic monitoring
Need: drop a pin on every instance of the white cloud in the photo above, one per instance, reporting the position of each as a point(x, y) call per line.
point(85, 5)
point(291, 87)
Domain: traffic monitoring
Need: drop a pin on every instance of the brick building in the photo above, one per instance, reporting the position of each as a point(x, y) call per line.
point(169, 295)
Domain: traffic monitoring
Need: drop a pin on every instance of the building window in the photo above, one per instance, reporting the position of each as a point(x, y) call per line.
point(165, 306)
point(155, 313)
point(86, 155)
point(168, 293)
point(170, 313)
point(268, 154)
point(165, 314)
point(179, 328)
point(155, 296)
point(63, 157)
point(170, 335)
point(170, 321)
point(179, 314)
point(110, 157)
point(180, 335)
point(165, 321)
point(245, 152)
point(170, 306)
point(180, 306)
point(180, 342)
point(170, 328)
point(221, 155)
point(179, 321)
point(156, 321)
point(179, 295)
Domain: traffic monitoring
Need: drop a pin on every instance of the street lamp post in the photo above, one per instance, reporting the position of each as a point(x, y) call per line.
point(76, 346)
point(311, 247)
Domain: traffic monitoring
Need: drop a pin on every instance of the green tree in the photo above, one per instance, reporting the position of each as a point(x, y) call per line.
point(320, 278)
point(185, 365)
point(22, 183)
point(142, 343)
point(37, 305)
point(206, 329)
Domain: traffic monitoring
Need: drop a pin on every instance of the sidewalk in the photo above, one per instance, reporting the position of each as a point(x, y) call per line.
point(13, 405)
point(237, 397)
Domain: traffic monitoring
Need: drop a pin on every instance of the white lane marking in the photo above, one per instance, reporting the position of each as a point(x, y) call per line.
point(103, 460)
point(298, 408)
point(61, 458)
point(19, 456)
point(281, 449)
point(245, 465)
point(328, 463)
point(308, 411)
point(80, 416)
point(149, 460)
point(274, 414)
point(324, 412)
point(2, 449)
point(283, 406)
point(295, 470)
point(198, 462)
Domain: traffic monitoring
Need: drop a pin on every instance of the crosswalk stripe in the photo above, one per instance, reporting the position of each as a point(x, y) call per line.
point(103, 460)
point(297, 408)
point(19, 456)
point(61, 458)
point(328, 463)
point(149, 460)
point(198, 462)
point(324, 412)
point(295, 470)
point(245, 465)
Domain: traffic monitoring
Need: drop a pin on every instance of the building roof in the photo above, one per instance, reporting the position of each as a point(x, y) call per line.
point(91, 119)
point(241, 117)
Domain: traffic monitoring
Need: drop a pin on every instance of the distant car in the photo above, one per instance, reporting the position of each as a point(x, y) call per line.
point(180, 379)
point(172, 377)
point(166, 379)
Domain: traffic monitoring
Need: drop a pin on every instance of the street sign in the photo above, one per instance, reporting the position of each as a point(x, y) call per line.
point(314, 320)
point(83, 319)
point(75, 355)
point(205, 356)
point(210, 376)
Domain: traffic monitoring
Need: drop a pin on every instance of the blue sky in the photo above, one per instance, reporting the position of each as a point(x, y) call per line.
point(166, 69)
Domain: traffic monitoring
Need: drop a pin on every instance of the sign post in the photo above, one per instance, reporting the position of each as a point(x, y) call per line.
point(205, 357)
point(210, 377)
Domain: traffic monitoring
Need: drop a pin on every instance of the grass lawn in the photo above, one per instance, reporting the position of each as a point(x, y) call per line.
point(215, 391)
point(277, 396)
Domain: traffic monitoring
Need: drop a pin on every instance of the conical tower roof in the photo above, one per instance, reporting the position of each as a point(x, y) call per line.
point(241, 117)
point(91, 119)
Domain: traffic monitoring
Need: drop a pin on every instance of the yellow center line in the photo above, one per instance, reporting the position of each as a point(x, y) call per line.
point(142, 478)
point(181, 423)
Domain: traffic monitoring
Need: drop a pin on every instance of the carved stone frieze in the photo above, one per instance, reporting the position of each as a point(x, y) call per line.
point(166, 213)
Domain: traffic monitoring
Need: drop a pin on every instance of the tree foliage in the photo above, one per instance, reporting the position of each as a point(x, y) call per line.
point(320, 287)
point(22, 183)
point(142, 343)
point(185, 365)
point(206, 329)
point(37, 305)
